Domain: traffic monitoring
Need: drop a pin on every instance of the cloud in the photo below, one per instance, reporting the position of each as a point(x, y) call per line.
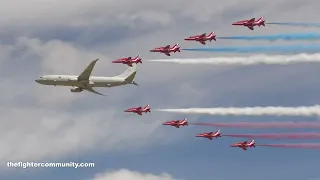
point(42, 122)
point(131, 175)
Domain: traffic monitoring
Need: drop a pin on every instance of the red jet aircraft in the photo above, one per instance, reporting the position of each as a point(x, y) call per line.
point(177, 123)
point(166, 49)
point(139, 110)
point(244, 145)
point(202, 38)
point(128, 60)
point(250, 23)
point(210, 135)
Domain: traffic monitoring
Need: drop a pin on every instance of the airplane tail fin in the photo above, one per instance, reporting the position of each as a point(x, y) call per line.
point(147, 108)
point(176, 47)
point(252, 143)
point(129, 74)
point(185, 121)
point(138, 58)
point(261, 21)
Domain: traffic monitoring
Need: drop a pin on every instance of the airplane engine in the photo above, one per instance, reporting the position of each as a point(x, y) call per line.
point(76, 89)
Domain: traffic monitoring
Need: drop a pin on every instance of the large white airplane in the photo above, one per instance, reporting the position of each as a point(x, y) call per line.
point(86, 82)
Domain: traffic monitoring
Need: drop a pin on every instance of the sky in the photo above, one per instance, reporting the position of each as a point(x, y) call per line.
point(51, 124)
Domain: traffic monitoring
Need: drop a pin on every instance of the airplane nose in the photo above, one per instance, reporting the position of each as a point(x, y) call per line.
point(37, 80)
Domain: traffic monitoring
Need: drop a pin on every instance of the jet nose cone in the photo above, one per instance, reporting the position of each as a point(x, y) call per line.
point(37, 81)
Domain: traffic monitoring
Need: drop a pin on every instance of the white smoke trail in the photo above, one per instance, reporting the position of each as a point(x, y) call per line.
point(250, 60)
point(252, 111)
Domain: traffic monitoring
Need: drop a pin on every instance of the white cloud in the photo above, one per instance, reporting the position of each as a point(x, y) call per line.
point(131, 175)
point(40, 122)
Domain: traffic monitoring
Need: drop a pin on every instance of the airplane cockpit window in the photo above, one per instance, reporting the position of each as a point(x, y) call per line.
point(41, 77)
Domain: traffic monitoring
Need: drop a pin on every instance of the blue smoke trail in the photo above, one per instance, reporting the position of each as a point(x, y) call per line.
point(296, 24)
point(259, 49)
point(300, 36)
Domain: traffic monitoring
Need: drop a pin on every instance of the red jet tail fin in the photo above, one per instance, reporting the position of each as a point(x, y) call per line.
point(147, 108)
point(252, 143)
point(138, 57)
point(261, 21)
point(176, 47)
point(218, 133)
point(184, 121)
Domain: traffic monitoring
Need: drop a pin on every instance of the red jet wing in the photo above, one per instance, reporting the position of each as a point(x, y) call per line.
point(250, 27)
point(251, 20)
point(202, 35)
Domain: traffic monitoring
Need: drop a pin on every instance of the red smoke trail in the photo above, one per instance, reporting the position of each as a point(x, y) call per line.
point(302, 145)
point(309, 135)
point(262, 125)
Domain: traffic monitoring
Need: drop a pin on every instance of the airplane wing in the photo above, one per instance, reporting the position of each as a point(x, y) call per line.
point(87, 72)
point(139, 113)
point(93, 91)
point(167, 53)
point(202, 35)
point(203, 42)
point(167, 47)
point(244, 148)
point(251, 20)
point(250, 27)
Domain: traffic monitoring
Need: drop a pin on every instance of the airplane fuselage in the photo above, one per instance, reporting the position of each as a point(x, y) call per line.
point(71, 80)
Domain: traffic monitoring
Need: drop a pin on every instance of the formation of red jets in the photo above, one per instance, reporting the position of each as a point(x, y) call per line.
point(202, 38)
point(177, 123)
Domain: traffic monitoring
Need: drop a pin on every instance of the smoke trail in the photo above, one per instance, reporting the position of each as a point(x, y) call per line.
point(288, 37)
point(252, 111)
point(296, 24)
point(257, 49)
point(262, 125)
point(310, 135)
point(302, 145)
point(250, 60)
